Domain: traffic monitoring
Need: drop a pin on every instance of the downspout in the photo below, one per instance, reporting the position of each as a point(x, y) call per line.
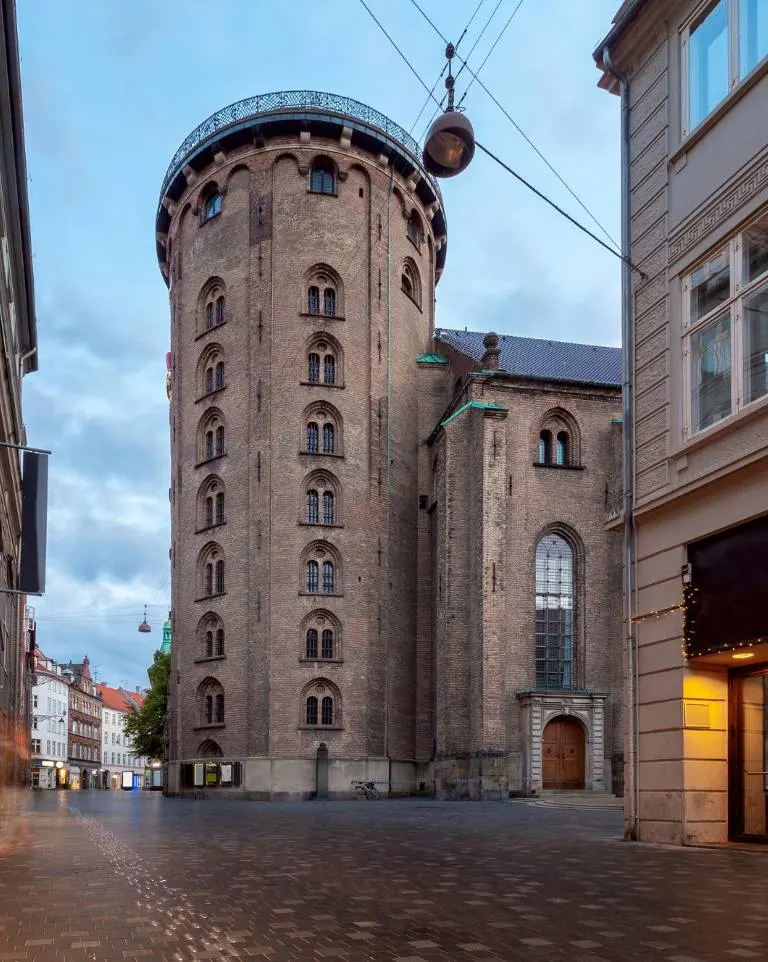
point(390, 190)
point(632, 827)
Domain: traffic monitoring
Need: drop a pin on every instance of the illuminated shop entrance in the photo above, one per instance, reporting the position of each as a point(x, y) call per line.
point(747, 755)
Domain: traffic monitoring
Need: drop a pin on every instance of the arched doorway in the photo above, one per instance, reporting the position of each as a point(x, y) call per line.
point(563, 755)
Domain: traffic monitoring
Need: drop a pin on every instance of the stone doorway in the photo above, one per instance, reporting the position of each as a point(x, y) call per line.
point(563, 755)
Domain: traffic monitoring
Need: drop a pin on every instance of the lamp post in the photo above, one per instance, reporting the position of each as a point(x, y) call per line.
point(450, 143)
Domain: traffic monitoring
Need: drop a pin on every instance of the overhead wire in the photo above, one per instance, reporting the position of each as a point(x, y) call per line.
point(509, 117)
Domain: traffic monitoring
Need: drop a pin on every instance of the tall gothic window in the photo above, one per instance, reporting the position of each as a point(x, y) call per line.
point(554, 613)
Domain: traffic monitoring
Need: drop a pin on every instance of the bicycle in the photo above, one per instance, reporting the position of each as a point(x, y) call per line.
point(366, 790)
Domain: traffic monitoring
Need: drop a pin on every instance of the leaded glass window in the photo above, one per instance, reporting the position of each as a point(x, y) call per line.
point(554, 613)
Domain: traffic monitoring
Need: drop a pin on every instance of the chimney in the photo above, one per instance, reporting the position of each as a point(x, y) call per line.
point(490, 360)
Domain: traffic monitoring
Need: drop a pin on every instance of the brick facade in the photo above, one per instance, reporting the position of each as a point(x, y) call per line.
point(377, 241)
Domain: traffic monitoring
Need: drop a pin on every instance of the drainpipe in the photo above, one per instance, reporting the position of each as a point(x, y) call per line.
point(632, 828)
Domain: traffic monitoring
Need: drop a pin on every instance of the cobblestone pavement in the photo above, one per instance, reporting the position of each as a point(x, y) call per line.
point(110, 875)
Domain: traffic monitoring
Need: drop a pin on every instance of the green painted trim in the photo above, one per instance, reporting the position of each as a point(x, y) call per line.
point(431, 359)
point(482, 405)
point(618, 420)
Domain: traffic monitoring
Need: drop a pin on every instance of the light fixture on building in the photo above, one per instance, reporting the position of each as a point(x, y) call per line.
point(742, 655)
point(450, 143)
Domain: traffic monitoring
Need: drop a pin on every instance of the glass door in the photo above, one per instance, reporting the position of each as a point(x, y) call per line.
point(748, 756)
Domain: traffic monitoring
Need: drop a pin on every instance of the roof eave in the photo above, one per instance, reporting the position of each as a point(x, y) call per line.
point(631, 10)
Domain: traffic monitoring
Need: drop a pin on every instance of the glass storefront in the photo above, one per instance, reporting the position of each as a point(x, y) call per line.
point(748, 768)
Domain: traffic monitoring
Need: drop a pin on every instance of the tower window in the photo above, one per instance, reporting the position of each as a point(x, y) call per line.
point(326, 716)
point(328, 508)
point(313, 300)
point(312, 643)
point(312, 576)
point(327, 649)
point(329, 302)
point(314, 368)
point(219, 375)
point(312, 710)
point(328, 578)
point(220, 440)
point(329, 369)
point(212, 205)
point(328, 439)
point(312, 438)
point(313, 503)
point(561, 448)
point(321, 177)
point(545, 447)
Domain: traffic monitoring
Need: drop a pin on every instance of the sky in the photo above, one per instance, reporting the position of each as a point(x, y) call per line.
point(112, 87)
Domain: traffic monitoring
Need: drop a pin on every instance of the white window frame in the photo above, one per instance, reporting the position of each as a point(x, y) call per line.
point(740, 290)
point(734, 59)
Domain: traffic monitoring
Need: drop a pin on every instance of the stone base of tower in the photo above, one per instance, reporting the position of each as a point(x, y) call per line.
point(280, 779)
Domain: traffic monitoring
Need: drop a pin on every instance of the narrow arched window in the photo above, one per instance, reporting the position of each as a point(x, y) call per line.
point(312, 710)
point(212, 205)
point(219, 375)
point(219, 577)
point(209, 709)
point(328, 581)
point(328, 439)
point(209, 644)
point(313, 300)
point(329, 302)
point(219, 708)
point(209, 316)
point(209, 579)
point(209, 511)
point(209, 444)
point(312, 576)
point(321, 179)
point(219, 641)
point(220, 508)
point(328, 506)
point(312, 437)
point(329, 369)
point(326, 716)
point(208, 380)
point(313, 368)
point(313, 505)
point(561, 448)
point(220, 311)
point(554, 613)
point(312, 643)
point(407, 283)
point(545, 447)
point(327, 649)
point(220, 440)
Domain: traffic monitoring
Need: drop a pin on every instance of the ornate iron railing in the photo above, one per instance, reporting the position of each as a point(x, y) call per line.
point(285, 100)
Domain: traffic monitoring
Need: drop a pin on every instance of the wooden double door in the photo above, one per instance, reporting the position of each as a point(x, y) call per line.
point(563, 755)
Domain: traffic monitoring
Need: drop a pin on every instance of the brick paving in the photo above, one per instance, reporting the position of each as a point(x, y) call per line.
point(118, 876)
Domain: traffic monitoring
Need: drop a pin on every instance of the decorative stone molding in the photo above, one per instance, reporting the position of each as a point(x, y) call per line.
point(189, 175)
point(345, 138)
point(304, 136)
point(708, 219)
point(219, 156)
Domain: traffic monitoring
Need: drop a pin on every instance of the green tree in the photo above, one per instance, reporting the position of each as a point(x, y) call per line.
point(146, 724)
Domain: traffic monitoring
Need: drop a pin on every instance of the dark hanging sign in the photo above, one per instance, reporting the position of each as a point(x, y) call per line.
point(34, 515)
point(725, 601)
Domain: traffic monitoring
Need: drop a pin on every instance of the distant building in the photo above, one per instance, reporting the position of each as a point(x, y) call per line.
point(50, 714)
point(85, 712)
point(165, 647)
point(117, 754)
point(18, 343)
point(693, 78)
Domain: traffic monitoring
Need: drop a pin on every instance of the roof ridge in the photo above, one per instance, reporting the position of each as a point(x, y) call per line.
point(526, 337)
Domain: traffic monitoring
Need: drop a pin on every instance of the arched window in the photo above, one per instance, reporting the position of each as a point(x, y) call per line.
point(321, 177)
point(210, 502)
point(329, 516)
point(328, 578)
point(311, 648)
point(410, 282)
point(329, 302)
point(561, 448)
point(313, 507)
point(313, 300)
point(208, 444)
point(312, 438)
point(220, 310)
point(327, 649)
point(208, 709)
point(210, 305)
point(320, 636)
point(220, 508)
point(326, 716)
point(210, 633)
point(209, 579)
point(413, 229)
point(209, 316)
point(545, 447)
point(209, 511)
point(313, 368)
point(219, 440)
point(312, 576)
point(212, 205)
point(219, 641)
point(210, 700)
point(211, 435)
point(322, 429)
point(329, 369)
point(554, 613)
point(220, 577)
point(312, 710)
point(328, 439)
point(218, 711)
point(219, 375)
point(209, 644)
point(208, 380)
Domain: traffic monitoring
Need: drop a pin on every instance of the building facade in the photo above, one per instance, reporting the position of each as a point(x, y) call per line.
point(693, 77)
point(50, 716)
point(18, 343)
point(117, 755)
point(85, 711)
point(313, 472)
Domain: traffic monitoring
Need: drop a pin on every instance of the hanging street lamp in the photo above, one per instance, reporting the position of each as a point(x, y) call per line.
point(450, 143)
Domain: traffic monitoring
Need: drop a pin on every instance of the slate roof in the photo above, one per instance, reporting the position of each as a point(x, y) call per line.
point(547, 360)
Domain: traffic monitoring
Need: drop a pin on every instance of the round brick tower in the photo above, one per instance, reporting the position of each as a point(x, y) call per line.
point(301, 240)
